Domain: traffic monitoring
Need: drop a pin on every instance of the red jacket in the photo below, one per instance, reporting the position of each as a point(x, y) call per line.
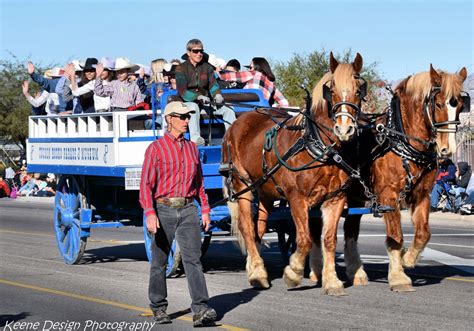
point(4, 187)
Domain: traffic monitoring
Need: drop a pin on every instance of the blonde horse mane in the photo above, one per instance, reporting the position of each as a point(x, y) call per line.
point(419, 85)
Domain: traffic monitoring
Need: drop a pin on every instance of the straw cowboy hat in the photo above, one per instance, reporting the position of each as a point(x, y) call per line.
point(124, 63)
point(53, 73)
point(147, 69)
point(77, 65)
point(177, 107)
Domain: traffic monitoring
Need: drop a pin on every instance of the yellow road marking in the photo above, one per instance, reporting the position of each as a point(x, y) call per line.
point(144, 311)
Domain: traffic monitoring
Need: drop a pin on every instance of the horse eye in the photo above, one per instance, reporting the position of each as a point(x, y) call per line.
point(453, 102)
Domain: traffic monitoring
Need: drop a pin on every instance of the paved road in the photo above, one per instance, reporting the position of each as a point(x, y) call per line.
point(110, 286)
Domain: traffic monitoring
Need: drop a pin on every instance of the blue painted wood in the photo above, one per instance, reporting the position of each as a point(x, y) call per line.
point(67, 220)
point(107, 225)
point(70, 140)
point(78, 170)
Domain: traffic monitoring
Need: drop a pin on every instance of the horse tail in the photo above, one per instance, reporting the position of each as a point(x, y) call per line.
point(234, 225)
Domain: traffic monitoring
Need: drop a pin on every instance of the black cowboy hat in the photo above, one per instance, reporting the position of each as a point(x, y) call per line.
point(90, 63)
point(171, 71)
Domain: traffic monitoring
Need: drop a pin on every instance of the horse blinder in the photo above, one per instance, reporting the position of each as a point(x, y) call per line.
point(466, 102)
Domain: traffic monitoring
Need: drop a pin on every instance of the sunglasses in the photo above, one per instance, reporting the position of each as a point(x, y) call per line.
point(182, 117)
point(196, 51)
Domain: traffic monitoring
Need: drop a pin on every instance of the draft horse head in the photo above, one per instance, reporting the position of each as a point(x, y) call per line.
point(344, 93)
point(442, 107)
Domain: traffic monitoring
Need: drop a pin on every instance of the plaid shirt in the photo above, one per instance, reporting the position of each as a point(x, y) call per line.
point(193, 81)
point(171, 169)
point(122, 94)
point(256, 80)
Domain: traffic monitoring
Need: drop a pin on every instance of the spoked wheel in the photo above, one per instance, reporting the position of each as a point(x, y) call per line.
point(175, 265)
point(174, 257)
point(67, 221)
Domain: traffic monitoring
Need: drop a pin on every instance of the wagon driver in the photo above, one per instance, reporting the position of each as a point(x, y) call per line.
point(171, 179)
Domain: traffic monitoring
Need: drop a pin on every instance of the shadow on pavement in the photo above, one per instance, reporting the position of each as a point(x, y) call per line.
point(13, 318)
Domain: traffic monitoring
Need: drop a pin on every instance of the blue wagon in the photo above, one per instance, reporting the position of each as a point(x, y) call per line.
point(99, 158)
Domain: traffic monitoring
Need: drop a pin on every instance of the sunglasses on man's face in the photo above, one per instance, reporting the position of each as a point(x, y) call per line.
point(182, 117)
point(196, 51)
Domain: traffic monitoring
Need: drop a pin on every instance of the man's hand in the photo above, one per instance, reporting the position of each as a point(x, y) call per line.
point(152, 224)
point(25, 87)
point(219, 99)
point(141, 73)
point(99, 68)
point(206, 222)
point(70, 71)
point(31, 68)
point(204, 100)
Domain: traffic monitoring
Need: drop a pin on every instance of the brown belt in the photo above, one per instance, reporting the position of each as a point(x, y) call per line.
point(175, 202)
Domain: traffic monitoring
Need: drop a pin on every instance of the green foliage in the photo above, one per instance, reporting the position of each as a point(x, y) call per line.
point(14, 108)
point(310, 68)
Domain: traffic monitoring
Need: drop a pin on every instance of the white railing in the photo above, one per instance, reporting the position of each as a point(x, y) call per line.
point(111, 124)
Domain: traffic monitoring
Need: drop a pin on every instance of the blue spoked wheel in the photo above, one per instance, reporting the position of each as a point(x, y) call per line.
point(67, 221)
point(174, 266)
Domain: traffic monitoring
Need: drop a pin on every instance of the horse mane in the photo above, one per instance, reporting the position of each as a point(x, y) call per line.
point(419, 85)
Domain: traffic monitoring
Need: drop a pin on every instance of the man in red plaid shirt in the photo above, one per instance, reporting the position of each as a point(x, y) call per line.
point(171, 180)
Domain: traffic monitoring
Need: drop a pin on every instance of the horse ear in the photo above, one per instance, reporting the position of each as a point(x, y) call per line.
point(435, 76)
point(332, 63)
point(463, 73)
point(358, 62)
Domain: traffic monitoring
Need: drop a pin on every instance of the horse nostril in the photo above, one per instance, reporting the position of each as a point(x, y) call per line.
point(351, 130)
point(337, 130)
point(445, 151)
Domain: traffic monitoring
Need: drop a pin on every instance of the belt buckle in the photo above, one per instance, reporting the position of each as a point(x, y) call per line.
point(177, 202)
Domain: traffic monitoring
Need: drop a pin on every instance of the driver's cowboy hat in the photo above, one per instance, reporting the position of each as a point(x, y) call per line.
point(124, 63)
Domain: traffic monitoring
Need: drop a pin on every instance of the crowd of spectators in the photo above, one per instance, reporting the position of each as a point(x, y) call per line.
point(19, 182)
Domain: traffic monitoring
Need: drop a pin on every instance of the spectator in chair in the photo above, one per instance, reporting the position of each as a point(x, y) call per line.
point(444, 179)
point(123, 94)
point(261, 77)
point(50, 189)
point(4, 187)
point(196, 85)
point(463, 175)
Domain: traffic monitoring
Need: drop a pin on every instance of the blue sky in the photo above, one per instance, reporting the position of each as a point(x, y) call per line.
point(402, 36)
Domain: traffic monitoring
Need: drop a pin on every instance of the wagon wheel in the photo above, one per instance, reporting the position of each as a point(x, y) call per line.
point(175, 265)
point(67, 220)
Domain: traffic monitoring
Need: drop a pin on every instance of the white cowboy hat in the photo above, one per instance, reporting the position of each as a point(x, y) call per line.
point(145, 68)
point(77, 65)
point(108, 63)
point(124, 63)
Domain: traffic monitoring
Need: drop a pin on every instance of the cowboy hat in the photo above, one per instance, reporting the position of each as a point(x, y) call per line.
point(107, 62)
point(124, 63)
point(77, 65)
point(90, 63)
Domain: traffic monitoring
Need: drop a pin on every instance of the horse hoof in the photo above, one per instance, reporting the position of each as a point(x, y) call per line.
point(360, 281)
point(313, 277)
point(335, 291)
point(259, 283)
point(402, 288)
point(291, 278)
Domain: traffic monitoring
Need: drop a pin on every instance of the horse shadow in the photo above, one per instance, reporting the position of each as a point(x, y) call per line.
point(13, 318)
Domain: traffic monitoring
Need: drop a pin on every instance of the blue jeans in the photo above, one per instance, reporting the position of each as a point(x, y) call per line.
point(456, 191)
point(184, 224)
point(227, 113)
point(436, 194)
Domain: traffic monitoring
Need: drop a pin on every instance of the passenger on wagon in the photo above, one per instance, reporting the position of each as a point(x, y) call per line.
point(44, 102)
point(84, 90)
point(102, 104)
point(49, 85)
point(123, 94)
point(196, 85)
point(259, 77)
point(63, 89)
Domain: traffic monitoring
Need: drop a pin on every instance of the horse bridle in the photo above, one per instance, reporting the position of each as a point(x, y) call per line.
point(430, 110)
point(333, 109)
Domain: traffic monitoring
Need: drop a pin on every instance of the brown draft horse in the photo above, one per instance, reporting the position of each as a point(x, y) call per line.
point(243, 149)
point(430, 103)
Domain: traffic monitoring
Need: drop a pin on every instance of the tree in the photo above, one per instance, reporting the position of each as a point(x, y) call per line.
point(310, 68)
point(14, 108)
